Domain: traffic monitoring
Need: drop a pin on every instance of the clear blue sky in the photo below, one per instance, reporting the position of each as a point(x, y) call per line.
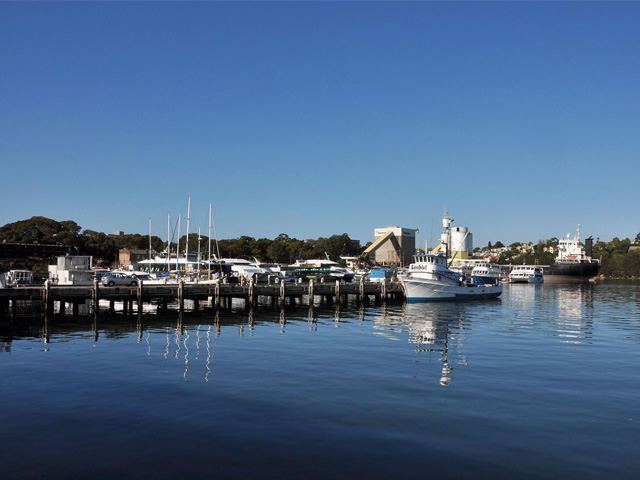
point(315, 119)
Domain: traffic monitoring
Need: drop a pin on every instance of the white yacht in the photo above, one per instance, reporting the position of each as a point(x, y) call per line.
point(162, 263)
point(240, 269)
point(526, 274)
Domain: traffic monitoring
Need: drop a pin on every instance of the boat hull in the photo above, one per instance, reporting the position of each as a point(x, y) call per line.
point(527, 280)
point(420, 290)
point(582, 272)
point(485, 279)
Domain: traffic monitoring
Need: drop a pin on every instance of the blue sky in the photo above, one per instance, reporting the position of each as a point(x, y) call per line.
point(314, 119)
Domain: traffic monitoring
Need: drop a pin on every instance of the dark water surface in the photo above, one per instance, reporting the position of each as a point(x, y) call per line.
point(542, 383)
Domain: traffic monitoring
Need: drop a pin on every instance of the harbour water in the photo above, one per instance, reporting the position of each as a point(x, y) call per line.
point(541, 383)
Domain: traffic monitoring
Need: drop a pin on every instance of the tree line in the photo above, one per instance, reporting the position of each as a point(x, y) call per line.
point(617, 259)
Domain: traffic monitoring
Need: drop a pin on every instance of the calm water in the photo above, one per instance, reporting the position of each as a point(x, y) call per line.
point(542, 383)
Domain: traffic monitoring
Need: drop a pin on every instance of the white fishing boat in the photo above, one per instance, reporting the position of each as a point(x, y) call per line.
point(429, 278)
point(526, 274)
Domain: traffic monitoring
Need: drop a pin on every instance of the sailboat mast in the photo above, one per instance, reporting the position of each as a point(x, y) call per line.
point(209, 259)
point(198, 252)
point(178, 244)
point(149, 243)
point(168, 242)
point(188, 219)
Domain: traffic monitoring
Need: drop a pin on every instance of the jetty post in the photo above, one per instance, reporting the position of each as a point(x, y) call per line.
point(311, 287)
point(139, 297)
point(181, 295)
point(96, 295)
point(251, 292)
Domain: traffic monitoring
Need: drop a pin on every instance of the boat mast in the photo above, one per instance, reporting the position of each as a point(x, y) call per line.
point(209, 258)
point(187, 248)
point(178, 245)
point(215, 234)
point(149, 244)
point(198, 252)
point(168, 242)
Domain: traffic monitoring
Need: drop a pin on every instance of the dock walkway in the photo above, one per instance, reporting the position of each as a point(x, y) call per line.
point(218, 295)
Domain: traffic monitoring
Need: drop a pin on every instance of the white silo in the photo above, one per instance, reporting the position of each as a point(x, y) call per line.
point(461, 241)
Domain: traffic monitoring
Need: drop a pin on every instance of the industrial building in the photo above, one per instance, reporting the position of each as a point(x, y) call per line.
point(392, 245)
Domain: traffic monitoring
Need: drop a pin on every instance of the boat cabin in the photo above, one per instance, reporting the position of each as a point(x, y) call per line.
point(19, 277)
point(422, 259)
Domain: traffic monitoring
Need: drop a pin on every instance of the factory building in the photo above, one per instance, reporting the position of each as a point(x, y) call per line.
point(392, 245)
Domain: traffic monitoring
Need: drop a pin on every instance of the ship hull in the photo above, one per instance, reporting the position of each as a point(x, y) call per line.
point(582, 272)
point(424, 290)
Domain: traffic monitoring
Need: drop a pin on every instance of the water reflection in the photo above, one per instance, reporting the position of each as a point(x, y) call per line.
point(439, 328)
point(564, 311)
point(571, 313)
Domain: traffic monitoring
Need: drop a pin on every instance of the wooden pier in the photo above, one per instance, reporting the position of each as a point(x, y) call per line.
point(217, 295)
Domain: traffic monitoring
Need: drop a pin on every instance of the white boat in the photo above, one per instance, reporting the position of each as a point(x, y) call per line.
point(429, 279)
point(322, 268)
point(19, 277)
point(486, 273)
point(238, 269)
point(526, 274)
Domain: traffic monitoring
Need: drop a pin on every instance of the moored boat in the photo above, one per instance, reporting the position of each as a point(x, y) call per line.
point(526, 274)
point(321, 268)
point(573, 263)
point(429, 279)
point(486, 273)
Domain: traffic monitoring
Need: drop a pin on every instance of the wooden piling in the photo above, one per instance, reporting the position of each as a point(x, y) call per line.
point(251, 292)
point(181, 295)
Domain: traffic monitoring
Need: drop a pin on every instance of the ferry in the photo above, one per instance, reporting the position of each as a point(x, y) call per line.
point(526, 274)
point(486, 273)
